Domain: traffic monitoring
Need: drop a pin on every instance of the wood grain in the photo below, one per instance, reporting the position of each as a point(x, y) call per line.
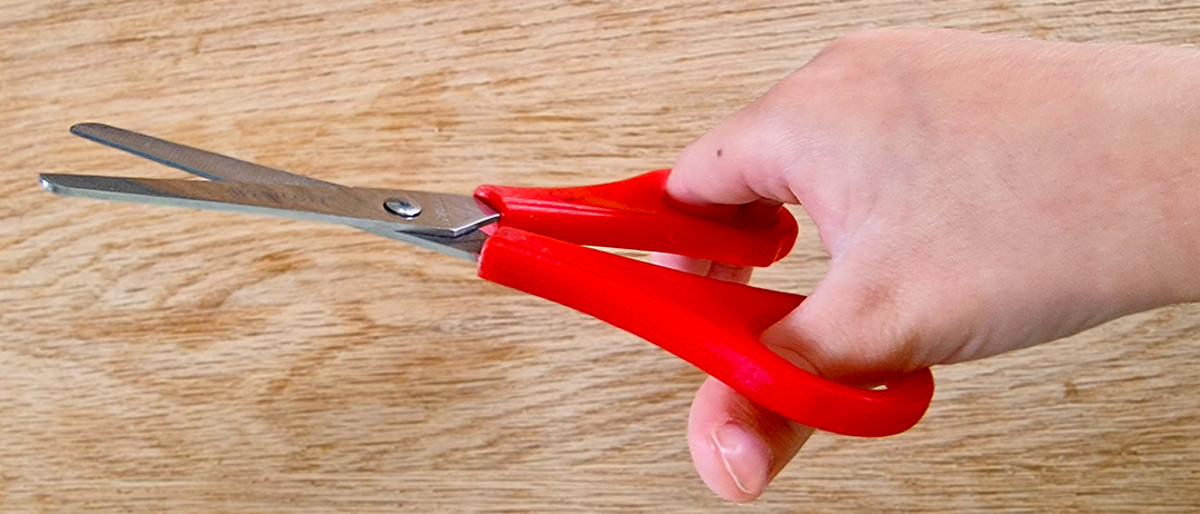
point(157, 360)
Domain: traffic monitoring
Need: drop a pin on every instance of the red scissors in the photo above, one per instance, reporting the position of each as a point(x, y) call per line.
point(532, 240)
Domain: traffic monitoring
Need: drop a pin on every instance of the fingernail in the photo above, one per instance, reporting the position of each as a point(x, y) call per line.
point(745, 456)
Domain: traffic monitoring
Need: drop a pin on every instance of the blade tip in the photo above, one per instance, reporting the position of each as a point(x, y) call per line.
point(48, 183)
point(86, 128)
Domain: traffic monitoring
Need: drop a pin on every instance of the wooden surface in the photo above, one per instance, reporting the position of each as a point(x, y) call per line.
point(160, 360)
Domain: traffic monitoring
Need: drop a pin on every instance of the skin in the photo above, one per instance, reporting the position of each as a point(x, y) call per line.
point(976, 194)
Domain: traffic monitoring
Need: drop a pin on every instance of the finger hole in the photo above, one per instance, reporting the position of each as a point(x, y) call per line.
point(678, 262)
point(730, 273)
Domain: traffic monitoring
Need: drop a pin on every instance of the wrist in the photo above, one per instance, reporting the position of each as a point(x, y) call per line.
point(1166, 176)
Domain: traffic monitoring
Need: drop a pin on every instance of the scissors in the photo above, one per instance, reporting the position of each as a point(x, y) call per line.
point(538, 240)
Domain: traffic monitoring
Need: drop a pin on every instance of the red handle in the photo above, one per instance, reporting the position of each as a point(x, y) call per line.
point(711, 324)
point(636, 214)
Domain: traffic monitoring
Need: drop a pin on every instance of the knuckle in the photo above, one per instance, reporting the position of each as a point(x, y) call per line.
point(843, 78)
point(876, 56)
point(874, 83)
point(889, 42)
point(859, 51)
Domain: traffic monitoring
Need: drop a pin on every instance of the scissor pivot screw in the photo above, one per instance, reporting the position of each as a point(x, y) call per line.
point(402, 207)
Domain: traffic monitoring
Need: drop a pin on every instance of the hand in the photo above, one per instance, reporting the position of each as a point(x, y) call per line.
point(976, 195)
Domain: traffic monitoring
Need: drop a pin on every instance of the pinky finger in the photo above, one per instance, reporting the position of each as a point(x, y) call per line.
point(737, 446)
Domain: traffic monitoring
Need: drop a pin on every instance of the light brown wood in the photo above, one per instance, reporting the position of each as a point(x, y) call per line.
point(161, 360)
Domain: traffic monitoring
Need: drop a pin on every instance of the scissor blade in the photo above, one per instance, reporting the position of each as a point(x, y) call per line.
point(209, 165)
point(437, 214)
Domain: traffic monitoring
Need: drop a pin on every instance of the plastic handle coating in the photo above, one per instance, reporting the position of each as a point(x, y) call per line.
point(635, 214)
point(712, 324)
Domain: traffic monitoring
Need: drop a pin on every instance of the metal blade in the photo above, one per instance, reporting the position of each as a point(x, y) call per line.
point(467, 247)
point(217, 167)
point(209, 165)
point(434, 214)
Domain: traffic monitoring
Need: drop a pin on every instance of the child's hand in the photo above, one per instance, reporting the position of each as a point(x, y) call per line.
point(977, 195)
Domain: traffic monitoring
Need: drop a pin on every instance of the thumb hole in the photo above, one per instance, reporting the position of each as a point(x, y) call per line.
point(759, 212)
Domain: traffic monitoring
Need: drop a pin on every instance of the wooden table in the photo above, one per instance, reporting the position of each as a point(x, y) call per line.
point(162, 360)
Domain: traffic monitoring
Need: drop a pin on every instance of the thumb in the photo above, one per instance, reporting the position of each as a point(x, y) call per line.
point(732, 172)
point(740, 161)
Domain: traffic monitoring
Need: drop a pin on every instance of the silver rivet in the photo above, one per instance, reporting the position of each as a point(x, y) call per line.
point(402, 207)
